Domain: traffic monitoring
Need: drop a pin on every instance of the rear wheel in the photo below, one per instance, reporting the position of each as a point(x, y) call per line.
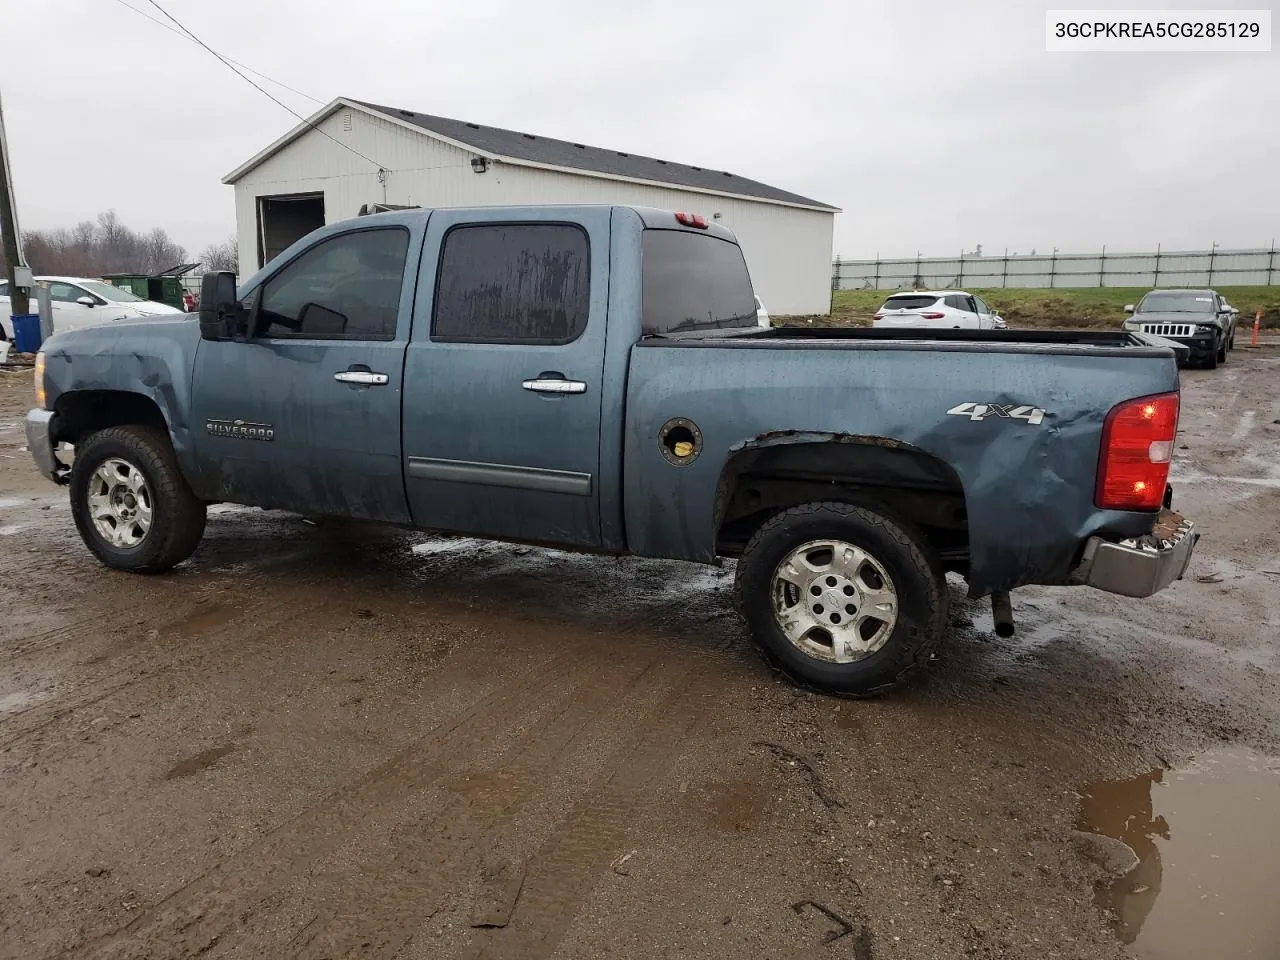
point(842, 598)
point(130, 502)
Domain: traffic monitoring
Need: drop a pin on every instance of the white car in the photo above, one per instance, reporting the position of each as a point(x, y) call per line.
point(940, 309)
point(762, 315)
point(79, 302)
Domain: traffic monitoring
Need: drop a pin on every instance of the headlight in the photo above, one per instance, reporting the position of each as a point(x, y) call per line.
point(1206, 328)
point(40, 393)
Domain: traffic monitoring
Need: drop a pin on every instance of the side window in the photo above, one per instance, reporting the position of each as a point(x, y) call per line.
point(969, 304)
point(344, 288)
point(982, 307)
point(4, 288)
point(66, 293)
point(952, 301)
point(513, 283)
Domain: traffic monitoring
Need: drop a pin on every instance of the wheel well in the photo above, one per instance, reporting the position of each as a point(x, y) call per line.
point(82, 412)
point(907, 483)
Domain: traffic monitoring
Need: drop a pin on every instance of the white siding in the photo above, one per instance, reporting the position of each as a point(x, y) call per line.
point(788, 250)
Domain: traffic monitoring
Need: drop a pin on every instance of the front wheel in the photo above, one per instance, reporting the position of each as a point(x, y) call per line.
point(130, 502)
point(841, 598)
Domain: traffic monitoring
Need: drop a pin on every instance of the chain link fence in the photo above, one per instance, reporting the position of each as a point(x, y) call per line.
point(1183, 268)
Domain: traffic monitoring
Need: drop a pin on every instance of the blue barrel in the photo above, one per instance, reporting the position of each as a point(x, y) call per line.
point(26, 332)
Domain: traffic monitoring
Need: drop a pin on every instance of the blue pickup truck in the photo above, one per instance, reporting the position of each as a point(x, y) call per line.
point(593, 378)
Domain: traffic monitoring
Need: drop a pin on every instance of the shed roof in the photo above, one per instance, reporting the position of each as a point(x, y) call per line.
point(513, 146)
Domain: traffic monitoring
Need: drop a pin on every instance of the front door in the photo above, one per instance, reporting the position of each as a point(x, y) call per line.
point(68, 312)
point(502, 386)
point(305, 415)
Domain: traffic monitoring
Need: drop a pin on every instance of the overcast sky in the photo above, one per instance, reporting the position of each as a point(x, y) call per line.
point(935, 126)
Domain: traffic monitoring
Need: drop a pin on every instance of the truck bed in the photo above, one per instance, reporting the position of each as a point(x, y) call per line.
point(1014, 416)
point(905, 338)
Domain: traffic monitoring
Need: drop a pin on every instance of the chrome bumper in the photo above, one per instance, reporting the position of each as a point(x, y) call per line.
point(40, 443)
point(1140, 567)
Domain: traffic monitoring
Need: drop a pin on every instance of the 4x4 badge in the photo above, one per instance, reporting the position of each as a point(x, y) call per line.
point(1008, 411)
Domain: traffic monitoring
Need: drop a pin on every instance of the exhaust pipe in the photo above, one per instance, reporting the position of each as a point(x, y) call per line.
point(1002, 614)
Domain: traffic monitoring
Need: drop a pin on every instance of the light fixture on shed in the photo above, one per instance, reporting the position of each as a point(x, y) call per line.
point(479, 164)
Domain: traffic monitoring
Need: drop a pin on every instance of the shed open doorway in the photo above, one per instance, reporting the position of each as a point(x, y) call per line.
point(284, 219)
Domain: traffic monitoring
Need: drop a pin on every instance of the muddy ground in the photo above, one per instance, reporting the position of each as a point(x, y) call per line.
point(326, 741)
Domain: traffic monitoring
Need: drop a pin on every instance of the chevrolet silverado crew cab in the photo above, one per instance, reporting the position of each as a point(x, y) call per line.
point(593, 378)
point(1199, 319)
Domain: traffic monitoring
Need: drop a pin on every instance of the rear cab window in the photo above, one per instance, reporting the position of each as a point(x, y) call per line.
point(694, 282)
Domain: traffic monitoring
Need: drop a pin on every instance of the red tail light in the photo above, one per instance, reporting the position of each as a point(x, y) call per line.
point(1137, 445)
point(933, 315)
point(877, 316)
point(692, 220)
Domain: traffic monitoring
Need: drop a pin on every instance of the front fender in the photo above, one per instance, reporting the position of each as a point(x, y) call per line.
point(152, 358)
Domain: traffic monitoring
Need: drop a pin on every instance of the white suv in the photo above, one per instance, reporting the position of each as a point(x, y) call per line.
point(80, 302)
point(949, 309)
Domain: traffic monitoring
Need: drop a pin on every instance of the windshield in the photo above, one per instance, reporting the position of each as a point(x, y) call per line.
point(1180, 302)
point(107, 292)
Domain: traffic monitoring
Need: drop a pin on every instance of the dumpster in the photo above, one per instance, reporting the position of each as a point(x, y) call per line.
point(26, 332)
point(163, 287)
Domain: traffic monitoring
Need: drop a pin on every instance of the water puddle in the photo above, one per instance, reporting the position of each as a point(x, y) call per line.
point(1207, 842)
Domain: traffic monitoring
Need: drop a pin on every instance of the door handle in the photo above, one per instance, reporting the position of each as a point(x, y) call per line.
point(549, 385)
point(364, 377)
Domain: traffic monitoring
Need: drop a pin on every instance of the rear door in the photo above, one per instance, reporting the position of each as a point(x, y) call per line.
point(503, 375)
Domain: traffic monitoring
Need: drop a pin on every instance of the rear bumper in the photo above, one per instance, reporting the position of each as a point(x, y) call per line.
point(39, 426)
point(1143, 566)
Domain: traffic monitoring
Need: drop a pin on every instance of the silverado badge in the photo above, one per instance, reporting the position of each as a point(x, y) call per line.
point(240, 429)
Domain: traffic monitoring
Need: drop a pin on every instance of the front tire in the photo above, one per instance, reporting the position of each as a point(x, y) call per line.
point(841, 598)
point(1222, 349)
point(131, 504)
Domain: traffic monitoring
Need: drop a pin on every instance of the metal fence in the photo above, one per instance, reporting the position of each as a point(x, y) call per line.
point(1183, 268)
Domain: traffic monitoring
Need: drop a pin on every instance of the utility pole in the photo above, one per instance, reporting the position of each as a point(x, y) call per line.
point(9, 236)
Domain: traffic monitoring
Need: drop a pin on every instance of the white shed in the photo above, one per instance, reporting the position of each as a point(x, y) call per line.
point(353, 154)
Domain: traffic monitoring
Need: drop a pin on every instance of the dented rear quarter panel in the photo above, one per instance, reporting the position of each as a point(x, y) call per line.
point(1028, 489)
point(151, 357)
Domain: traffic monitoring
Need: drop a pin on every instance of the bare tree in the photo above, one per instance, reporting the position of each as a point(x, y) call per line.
point(222, 256)
point(91, 249)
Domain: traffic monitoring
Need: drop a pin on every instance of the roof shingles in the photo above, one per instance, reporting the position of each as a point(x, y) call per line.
point(577, 156)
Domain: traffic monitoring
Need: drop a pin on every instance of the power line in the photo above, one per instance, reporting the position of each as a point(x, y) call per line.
point(244, 66)
point(257, 86)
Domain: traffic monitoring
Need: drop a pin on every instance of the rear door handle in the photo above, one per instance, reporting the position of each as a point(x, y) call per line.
point(364, 377)
point(549, 385)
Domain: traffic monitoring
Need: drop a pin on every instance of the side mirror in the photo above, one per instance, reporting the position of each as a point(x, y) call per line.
point(222, 316)
point(86, 301)
point(1128, 308)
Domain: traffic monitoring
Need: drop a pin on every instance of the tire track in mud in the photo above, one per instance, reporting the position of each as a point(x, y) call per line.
point(202, 631)
point(609, 703)
point(189, 921)
point(566, 867)
point(147, 660)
